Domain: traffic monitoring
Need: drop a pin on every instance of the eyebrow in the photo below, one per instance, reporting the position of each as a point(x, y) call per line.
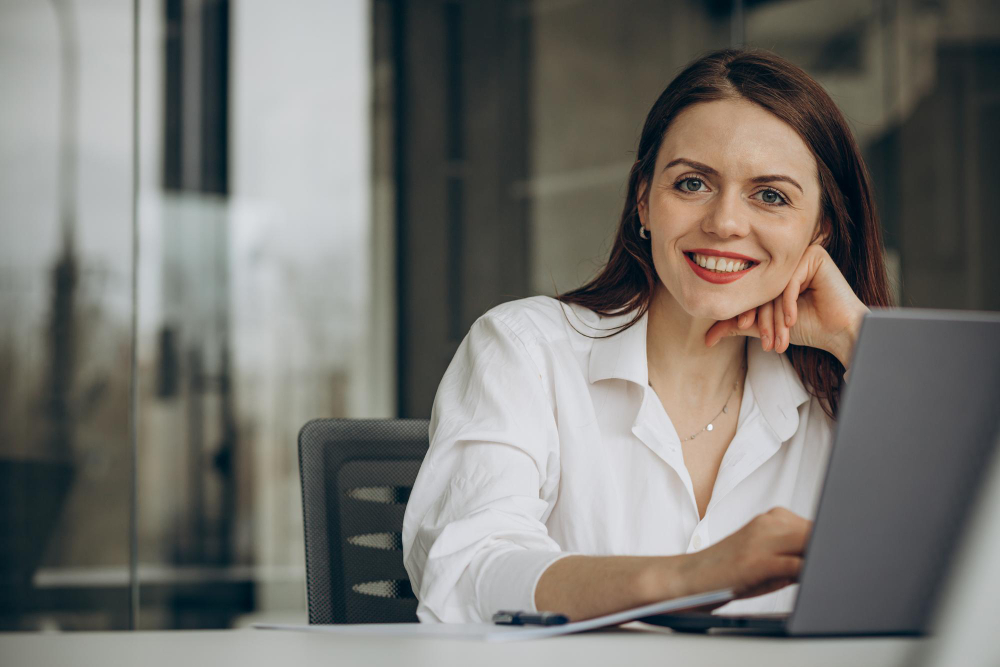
point(767, 178)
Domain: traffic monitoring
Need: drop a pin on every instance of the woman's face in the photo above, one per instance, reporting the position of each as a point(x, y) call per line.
point(733, 187)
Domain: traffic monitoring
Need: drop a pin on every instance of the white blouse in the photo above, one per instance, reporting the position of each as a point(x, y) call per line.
point(545, 442)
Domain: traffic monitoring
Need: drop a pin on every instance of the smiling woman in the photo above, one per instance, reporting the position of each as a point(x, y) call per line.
point(767, 124)
point(627, 442)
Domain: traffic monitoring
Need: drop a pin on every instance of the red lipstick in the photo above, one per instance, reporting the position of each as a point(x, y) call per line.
point(716, 277)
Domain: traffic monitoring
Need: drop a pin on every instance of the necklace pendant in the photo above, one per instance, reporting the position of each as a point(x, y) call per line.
point(725, 410)
point(709, 427)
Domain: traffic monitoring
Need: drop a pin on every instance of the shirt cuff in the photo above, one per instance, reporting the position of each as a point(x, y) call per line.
point(510, 579)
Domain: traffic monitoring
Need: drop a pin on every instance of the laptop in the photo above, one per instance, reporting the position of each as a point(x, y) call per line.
point(917, 427)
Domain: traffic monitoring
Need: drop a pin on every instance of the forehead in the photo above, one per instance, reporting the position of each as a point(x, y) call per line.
point(739, 139)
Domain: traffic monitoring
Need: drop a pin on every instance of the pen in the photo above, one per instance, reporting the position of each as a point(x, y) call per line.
point(529, 618)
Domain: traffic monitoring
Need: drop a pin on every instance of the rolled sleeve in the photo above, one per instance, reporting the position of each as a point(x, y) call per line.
point(474, 535)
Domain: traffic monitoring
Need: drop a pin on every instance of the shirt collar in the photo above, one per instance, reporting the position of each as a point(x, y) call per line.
point(777, 388)
point(621, 355)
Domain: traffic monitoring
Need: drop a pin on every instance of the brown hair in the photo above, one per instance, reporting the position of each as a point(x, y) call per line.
point(853, 236)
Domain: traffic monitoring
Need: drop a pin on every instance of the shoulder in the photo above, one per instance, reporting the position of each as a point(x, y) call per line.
point(540, 320)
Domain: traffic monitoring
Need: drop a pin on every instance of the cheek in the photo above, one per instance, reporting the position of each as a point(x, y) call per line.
point(784, 258)
point(671, 218)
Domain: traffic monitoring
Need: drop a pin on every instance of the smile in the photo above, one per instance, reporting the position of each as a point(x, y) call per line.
point(718, 268)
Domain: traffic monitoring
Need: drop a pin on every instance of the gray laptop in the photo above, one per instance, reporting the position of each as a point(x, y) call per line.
point(917, 428)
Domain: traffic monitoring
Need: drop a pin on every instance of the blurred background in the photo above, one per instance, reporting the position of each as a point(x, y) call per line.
point(313, 200)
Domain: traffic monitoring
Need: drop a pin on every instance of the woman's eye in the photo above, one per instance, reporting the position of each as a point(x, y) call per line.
point(691, 184)
point(772, 197)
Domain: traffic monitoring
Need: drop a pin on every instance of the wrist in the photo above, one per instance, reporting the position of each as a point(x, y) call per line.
point(667, 578)
point(843, 345)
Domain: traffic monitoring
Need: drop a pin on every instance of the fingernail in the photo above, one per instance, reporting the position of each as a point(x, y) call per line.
point(788, 319)
point(766, 340)
point(777, 341)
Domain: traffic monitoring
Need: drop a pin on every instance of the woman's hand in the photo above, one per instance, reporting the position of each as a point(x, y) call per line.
point(763, 556)
point(816, 309)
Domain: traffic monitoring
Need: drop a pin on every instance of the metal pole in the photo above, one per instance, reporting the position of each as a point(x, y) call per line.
point(133, 564)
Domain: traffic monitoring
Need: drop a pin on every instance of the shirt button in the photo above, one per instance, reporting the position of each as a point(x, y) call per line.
point(697, 542)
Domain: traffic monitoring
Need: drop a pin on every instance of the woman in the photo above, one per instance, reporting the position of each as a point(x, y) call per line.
point(628, 442)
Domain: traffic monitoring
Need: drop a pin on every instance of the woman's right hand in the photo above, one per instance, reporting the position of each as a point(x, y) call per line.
point(762, 556)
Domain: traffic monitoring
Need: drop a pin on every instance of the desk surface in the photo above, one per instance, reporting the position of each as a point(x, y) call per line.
point(623, 646)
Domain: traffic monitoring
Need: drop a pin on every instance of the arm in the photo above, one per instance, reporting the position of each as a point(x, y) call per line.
point(583, 587)
point(763, 556)
point(474, 534)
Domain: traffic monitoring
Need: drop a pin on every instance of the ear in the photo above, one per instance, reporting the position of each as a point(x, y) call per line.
point(641, 204)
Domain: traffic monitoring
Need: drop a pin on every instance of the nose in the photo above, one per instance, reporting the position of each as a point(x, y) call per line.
point(724, 217)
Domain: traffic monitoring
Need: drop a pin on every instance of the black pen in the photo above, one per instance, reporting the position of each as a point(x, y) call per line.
point(529, 618)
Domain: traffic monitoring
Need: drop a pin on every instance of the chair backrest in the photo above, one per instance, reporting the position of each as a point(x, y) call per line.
point(356, 479)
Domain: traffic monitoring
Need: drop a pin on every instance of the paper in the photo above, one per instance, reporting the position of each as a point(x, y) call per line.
point(506, 633)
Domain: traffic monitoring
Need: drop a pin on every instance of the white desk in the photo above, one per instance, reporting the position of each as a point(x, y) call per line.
point(270, 648)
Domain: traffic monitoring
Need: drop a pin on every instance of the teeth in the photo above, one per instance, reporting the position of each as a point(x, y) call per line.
point(720, 264)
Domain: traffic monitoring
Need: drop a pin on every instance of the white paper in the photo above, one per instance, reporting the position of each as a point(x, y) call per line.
point(505, 633)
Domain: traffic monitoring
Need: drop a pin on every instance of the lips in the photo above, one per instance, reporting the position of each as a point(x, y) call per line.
point(734, 266)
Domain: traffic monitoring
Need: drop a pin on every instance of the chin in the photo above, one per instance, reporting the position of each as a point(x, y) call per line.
point(716, 309)
point(716, 313)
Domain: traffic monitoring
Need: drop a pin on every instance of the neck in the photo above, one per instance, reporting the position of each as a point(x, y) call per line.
point(679, 361)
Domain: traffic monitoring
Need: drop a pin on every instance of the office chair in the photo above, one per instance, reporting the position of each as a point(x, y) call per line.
point(356, 479)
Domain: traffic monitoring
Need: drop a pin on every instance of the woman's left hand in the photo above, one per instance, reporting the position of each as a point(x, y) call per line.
point(817, 309)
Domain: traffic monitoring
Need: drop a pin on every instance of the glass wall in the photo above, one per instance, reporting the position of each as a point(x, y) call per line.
point(255, 291)
point(65, 313)
point(258, 306)
point(322, 196)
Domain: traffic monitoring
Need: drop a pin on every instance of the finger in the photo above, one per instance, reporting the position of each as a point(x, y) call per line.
point(765, 323)
point(720, 330)
point(780, 328)
point(799, 282)
point(786, 567)
point(730, 327)
point(792, 539)
point(746, 319)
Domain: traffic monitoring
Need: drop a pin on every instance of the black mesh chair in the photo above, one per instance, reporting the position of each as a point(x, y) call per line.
point(356, 479)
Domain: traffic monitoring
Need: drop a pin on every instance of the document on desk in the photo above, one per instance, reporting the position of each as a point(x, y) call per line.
point(506, 633)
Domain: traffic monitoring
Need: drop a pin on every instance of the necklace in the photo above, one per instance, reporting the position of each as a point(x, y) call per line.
point(724, 411)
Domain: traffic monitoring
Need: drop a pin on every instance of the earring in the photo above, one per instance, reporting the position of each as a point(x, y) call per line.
point(643, 233)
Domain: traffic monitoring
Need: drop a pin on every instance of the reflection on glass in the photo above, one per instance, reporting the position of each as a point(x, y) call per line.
point(256, 297)
point(65, 229)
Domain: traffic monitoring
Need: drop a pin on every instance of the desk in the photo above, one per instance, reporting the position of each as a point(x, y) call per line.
point(271, 648)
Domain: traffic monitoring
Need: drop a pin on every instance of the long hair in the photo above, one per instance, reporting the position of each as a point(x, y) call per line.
point(853, 236)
